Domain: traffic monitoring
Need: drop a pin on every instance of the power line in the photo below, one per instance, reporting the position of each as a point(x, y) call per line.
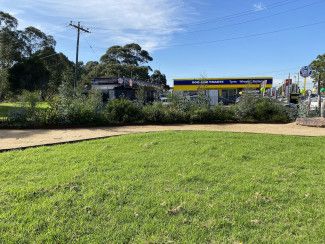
point(90, 46)
point(227, 17)
point(236, 38)
point(240, 14)
point(49, 55)
point(256, 19)
point(246, 36)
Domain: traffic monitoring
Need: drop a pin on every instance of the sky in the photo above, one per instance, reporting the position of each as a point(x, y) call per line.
point(188, 38)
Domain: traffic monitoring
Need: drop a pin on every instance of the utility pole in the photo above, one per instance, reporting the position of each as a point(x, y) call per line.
point(319, 95)
point(298, 87)
point(79, 28)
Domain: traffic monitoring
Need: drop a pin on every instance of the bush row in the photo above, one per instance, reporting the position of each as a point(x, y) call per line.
point(69, 110)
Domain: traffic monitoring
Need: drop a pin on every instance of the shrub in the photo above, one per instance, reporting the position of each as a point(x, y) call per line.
point(225, 113)
point(30, 99)
point(122, 111)
point(202, 115)
point(18, 116)
point(75, 109)
point(159, 114)
point(252, 108)
point(28, 115)
point(217, 114)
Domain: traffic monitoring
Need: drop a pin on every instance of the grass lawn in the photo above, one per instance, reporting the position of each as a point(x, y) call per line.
point(179, 187)
point(6, 107)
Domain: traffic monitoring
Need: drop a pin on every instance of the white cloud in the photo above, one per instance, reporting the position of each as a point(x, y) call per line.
point(259, 7)
point(148, 22)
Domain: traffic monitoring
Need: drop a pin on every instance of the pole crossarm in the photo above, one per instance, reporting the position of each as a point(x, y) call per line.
point(79, 27)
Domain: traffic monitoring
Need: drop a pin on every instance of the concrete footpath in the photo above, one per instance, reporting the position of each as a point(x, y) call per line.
point(17, 139)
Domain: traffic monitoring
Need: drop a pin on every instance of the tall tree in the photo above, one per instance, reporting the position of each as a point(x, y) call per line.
point(58, 66)
point(29, 59)
point(318, 67)
point(30, 74)
point(11, 44)
point(158, 77)
point(36, 40)
point(130, 54)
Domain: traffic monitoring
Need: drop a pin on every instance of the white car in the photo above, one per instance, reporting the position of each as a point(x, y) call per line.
point(314, 103)
point(165, 101)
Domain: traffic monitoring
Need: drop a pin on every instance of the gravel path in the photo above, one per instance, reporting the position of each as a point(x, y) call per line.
point(15, 139)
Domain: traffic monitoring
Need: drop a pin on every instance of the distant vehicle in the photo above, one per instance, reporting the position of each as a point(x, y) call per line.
point(165, 101)
point(314, 103)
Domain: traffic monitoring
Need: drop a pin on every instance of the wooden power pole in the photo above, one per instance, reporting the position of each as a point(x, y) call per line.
point(79, 29)
point(319, 95)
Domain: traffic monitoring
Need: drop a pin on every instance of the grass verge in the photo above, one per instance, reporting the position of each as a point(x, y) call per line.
point(6, 107)
point(166, 187)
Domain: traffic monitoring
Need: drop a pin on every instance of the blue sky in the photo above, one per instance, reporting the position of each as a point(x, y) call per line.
point(192, 38)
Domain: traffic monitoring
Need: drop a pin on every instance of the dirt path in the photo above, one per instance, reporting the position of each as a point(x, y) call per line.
point(14, 139)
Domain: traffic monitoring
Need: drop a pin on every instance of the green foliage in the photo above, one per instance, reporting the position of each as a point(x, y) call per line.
point(30, 59)
point(7, 21)
point(217, 114)
point(122, 111)
point(253, 108)
point(126, 61)
point(11, 47)
point(140, 96)
point(59, 68)
point(72, 109)
point(4, 83)
point(30, 99)
point(180, 187)
point(36, 40)
point(159, 114)
point(318, 67)
point(32, 63)
point(158, 78)
point(130, 54)
point(112, 70)
point(29, 113)
point(30, 74)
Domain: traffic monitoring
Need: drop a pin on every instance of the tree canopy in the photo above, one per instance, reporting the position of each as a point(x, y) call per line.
point(318, 67)
point(130, 54)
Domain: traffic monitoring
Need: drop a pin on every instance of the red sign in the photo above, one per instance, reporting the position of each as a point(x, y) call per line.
point(288, 82)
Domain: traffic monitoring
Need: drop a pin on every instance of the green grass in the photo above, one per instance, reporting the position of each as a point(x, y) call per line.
point(184, 187)
point(6, 107)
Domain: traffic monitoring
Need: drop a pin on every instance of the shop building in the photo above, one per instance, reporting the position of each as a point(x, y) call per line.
point(224, 90)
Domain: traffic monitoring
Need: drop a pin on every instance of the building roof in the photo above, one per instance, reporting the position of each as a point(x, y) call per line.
point(124, 82)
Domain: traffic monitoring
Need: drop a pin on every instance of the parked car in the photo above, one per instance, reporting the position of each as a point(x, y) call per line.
point(165, 101)
point(314, 103)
